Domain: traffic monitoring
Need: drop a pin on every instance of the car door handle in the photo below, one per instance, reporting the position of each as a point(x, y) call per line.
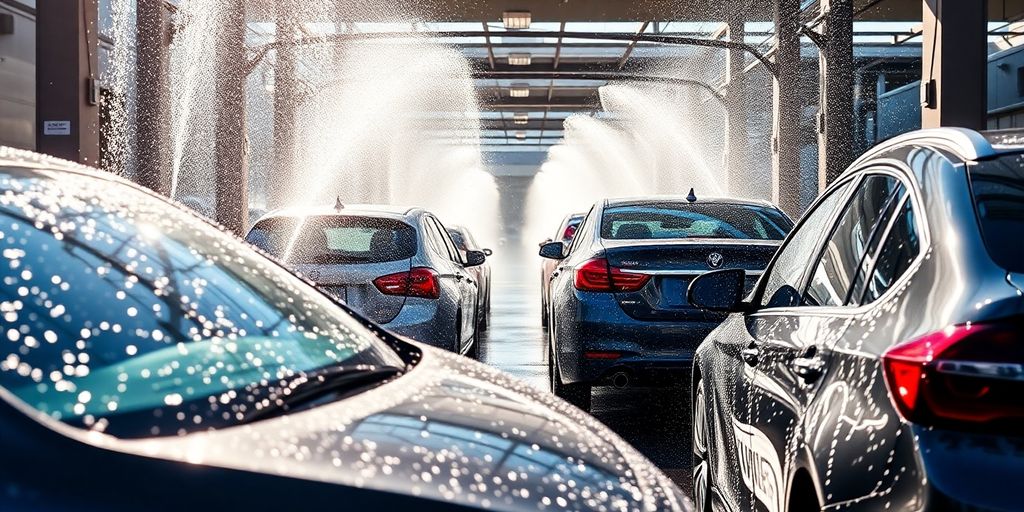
point(459, 277)
point(750, 354)
point(808, 368)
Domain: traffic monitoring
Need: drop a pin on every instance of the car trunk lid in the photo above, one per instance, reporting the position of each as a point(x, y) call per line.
point(353, 284)
point(672, 264)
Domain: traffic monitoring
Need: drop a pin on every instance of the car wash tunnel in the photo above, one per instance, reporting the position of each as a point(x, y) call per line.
point(695, 255)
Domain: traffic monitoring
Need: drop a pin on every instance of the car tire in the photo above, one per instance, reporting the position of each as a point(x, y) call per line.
point(474, 347)
point(577, 393)
point(700, 443)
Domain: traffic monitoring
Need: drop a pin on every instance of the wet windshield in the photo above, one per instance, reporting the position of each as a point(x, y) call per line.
point(699, 220)
point(335, 239)
point(126, 315)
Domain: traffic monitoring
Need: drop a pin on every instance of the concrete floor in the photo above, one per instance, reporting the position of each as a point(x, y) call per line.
point(655, 421)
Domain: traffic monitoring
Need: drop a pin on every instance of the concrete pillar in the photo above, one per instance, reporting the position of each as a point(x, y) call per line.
point(282, 177)
point(786, 108)
point(232, 173)
point(67, 95)
point(153, 113)
point(835, 86)
point(955, 39)
point(736, 110)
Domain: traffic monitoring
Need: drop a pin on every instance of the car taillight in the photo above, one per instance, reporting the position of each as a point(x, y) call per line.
point(597, 276)
point(965, 374)
point(417, 282)
point(570, 230)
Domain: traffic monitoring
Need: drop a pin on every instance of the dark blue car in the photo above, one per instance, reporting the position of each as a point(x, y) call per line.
point(618, 314)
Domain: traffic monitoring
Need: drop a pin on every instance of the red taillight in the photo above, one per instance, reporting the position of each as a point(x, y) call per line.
point(601, 355)
point(417, 282)
point(597, 276)
point(962, 374)
point(570, 230)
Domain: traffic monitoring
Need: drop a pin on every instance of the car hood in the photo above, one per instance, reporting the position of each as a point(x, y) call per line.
point(451, 429)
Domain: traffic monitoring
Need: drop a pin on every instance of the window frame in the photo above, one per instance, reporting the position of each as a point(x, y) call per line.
point(865, 175)
point(758, 293)
point(888, 166)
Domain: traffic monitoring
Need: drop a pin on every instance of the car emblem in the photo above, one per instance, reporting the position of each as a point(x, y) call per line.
point(715, 260)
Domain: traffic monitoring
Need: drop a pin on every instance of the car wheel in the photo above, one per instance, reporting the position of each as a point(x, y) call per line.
point(474, 347)
point(701, 464)
point(485, 313)
point(576, 393)
point(543, 314)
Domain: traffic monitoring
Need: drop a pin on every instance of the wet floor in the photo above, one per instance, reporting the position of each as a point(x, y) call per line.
point(655, 421)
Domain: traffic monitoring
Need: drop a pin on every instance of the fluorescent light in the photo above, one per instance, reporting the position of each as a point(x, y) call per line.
point(521, 135)
point(520, 118)
point(516, 19)
point(519, 91)
point(519, 59)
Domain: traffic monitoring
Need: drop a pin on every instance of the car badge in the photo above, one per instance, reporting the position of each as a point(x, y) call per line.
point(715, 260)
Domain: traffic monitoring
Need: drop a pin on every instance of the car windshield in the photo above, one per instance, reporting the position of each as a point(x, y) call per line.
point(127, 315)
point(693, 220)
point(998, 188)
point(328, 239)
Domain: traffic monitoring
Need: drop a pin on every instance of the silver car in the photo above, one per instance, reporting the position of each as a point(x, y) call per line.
point(396, 266)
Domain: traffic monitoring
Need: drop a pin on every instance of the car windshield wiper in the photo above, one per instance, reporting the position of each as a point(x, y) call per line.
point(336, 383)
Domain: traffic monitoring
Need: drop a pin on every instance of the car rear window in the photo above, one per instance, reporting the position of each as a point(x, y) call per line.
point(332, 239)
point(998, 189)
point(693, 220)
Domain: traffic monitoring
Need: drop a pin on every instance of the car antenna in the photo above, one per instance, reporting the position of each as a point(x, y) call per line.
point(338, 205)
point(691, 197)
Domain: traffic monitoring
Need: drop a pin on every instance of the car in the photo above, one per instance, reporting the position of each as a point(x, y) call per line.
point(465, 242)
point(617, 314)
point(566, 229)
point(396, 265)
point(878, 363)
point(151, 360)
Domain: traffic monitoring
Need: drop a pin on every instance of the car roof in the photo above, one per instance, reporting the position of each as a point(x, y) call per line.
point(349, 210)
point(652, 200)
point(968, 144)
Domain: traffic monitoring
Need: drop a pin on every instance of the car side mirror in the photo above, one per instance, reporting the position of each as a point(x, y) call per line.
point(553, 250)
point(488, 252)
point(720, 290)
point(474, 258)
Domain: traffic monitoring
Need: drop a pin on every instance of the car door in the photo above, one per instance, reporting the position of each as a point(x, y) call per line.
point(463, 280)
point(794, 341)
point(758, 466)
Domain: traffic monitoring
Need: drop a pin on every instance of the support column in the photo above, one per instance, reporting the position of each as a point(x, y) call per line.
point(232, 172)
point(153, 113)
point(282, 177)
point(955, 39)
point(736, 109)
point(786, 108)
point(67, 95)
point(835, 86)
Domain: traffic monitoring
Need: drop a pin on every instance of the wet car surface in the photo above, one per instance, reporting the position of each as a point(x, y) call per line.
point(878, 363)
point(222, 395)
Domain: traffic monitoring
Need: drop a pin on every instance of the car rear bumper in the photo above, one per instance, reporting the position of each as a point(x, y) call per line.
point(599, 340)
point(969, 471)
point(426, 321)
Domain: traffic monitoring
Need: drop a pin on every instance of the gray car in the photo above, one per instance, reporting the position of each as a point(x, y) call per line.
point(396, 266)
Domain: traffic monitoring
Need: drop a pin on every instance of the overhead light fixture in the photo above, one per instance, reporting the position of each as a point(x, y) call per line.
point(520, 118)
point(519, 91)
point(519, 59)
point(516, 19)
point(520, 135)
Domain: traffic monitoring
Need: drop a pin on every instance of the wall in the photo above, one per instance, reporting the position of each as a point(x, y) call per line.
point(17, 77)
